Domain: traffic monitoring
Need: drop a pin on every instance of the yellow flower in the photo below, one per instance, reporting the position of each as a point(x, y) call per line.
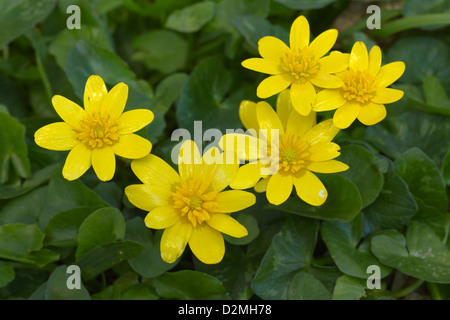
point(300, 66)
point(303, 147)
point(191, 206)
point(95, 134)
point(364, 91)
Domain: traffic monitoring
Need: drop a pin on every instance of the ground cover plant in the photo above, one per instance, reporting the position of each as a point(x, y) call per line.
point(118, 118)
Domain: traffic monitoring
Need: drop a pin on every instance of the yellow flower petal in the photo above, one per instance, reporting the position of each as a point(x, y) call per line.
point(299, 35)
point(244, 146)
point(148, 197)
point(330, 166)
point(372, 113)
point(323, 42)
point(335, 62)
point(328, 81)
point(272, 48)
point(247, 114)
point(224, 223)
point(279, 188)
point(324, 131)
point(207, 244)
point(134, 120)
point(359, 59)
point(268, 119)
point(114, 102)
point(324, 151)
point(261, 186)
point(223, 172)
point(374, 60)
point(78, 162)
point(387, 95)
point(303, 96)
point(188, 158)
point(389, 73)
point(247, 176)
point(56, 136)
point(69, 111)
point(161, 218)
point(346, 114)
point(309, 188)
point(262, 65)
point(104, 163)
point(234, 200)
point(94, 93)
point(272, 85)
point(132, 146)
point(174, 241)
point(299, 125)
point(284, 106)
point(153, 170)
point(328, 100)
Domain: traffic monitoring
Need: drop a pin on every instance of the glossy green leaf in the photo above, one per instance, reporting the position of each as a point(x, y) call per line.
point(349, 288)
point(189, 285)
point(18, 209)
point(304, 286)
point(422, 254)
point(56, 288)
point(104, 226)
point(446, 168)
point(291, 250)
point(191, 18)
point(305, 4)
point(7, 273)
point(343, 202)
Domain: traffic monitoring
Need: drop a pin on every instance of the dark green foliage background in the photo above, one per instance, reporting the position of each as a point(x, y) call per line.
point(182, 60)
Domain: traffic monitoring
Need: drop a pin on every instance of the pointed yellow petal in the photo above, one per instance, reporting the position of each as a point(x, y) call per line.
point(335, 62)
point(174, 241)
point(262, 65)
point(324, 131)
point(56, 136)
point(247, 114)
point(330, 166)
point(279, 188)
point(324, 151)
point(147, 197)
point(234, 200)
point(224, 223)
point(161, 218)
point(299, 125)
point(247, 176)
point(77, 163)
point(188, 158)
point(223, 172)
point(299, 35)
point(244, 146)
point(261, 186)
point(346, 114)
point(94, 93)
point(153, 170)
point(132, 146)
point(328, 81)
point(284, 106)
point(114, 102)
point(309, 188)
point(268, 118)
point(134, 120)
point(69, 111)
point(207, 244)
point(323, 42)
point(374, 60)
point(390, 73)
point(328, 99)
point(104, 163)
point(303, 96)
point(359, 59)
point(272, 85)
point(372, 113)
point(272, 48)
point(387, 95)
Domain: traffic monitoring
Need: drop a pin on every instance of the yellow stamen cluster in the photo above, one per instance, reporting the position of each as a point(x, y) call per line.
point(192, 200)
point(300, 64)
point(98, 130)
point(358, 85)
point(293, 153)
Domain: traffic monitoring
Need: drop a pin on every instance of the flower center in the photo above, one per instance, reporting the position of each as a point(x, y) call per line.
point(293, 153)
point(98, 130)
point(192, 201)
point(358, 86)
point(300, 64)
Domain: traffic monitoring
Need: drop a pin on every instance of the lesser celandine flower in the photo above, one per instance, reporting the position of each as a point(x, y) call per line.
point(364, 91)
point(191, 205)
point(96, 133)
point(303, 148)
point(301, 66)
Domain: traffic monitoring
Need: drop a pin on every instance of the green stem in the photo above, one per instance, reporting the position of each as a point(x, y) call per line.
point(43, 74)
point(405, 291)
point(434, 291)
